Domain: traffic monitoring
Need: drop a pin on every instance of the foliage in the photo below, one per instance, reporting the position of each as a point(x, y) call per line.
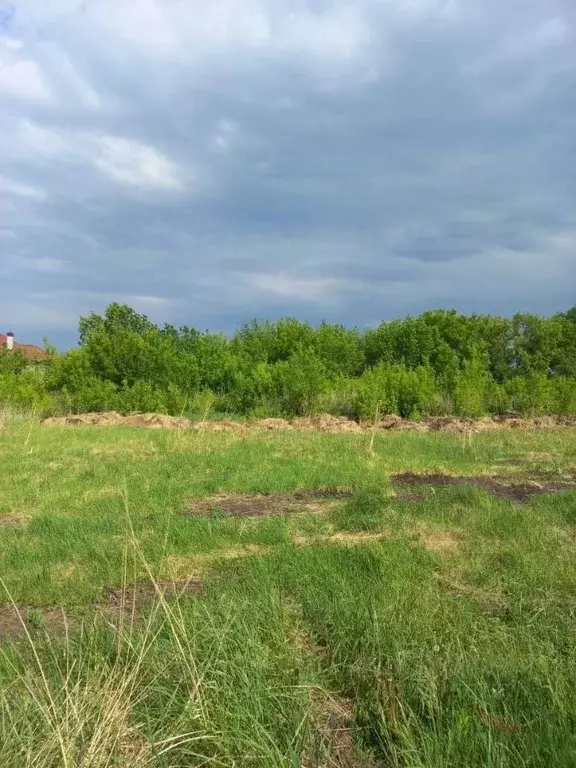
point(439, 362)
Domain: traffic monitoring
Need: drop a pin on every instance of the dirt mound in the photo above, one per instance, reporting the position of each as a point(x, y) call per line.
point(497, 485)
point(156, 420)
point(217, 426)
point(113, 419)
point(320, 423)
point(392, 421)
point(110, 418)
point(276, 425)
point(326, 422)
point(259, 505)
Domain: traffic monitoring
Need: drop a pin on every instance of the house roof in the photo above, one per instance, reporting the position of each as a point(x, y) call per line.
point(30, 351)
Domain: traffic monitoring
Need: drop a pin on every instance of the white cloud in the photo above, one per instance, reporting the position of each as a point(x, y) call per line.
point(134, 164)
point(193, 33)
point(76, 84)
point(33, 138)
point(295, 288)
point(223, 136)
point(122, 160)
point(21, 77)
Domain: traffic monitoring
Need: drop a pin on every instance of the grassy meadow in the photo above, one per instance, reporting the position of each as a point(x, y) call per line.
point(402, 626)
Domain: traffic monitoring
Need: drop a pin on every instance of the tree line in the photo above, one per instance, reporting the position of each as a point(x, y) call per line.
point(439, 362)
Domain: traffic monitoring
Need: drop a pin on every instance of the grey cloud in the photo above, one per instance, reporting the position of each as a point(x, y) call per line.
point(365, 185)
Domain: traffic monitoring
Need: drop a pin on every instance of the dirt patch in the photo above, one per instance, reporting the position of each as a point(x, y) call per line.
point(257, 505)
point(345, 537)
point(134, 596)
point(332, 718)
point(19, 621)
point(13, 521)
point(499, 486)
point(492, 602)
point(441, 542)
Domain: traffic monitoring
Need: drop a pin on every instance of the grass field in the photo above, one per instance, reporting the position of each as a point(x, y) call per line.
point(378, 623)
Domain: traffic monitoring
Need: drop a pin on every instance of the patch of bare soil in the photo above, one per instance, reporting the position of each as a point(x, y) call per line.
point(13, 521)
point(497, 485)
point(332, 717)
point(257, 505)
point(134, 596)
point(491, 601)
point(441, 542)
point(19, 621)
point(16, 622)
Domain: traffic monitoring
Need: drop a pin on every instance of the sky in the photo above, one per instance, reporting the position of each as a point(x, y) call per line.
point(347, 160)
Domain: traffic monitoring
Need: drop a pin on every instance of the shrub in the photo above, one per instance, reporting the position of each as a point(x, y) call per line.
point(439, 362)
point(396, 389)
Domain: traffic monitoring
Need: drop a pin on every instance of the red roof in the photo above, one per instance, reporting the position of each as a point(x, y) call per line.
point(30, 351)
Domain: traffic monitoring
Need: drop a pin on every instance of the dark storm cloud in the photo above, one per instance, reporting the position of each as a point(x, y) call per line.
point(331, 160)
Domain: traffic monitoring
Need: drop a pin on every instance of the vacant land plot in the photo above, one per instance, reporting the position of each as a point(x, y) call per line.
point(287, 598)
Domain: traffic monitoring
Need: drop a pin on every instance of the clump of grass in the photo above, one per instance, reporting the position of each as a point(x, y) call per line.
point(366, 511)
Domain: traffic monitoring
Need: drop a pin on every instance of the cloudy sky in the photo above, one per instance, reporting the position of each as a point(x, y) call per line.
point(353, 160)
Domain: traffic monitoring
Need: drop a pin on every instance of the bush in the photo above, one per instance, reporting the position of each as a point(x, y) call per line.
point(25, 391)
point(437, 363)
point(397, 389)
point(471, 387)
point(298, 383)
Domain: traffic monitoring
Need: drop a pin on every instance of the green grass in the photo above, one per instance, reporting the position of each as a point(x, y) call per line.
point(444, 628)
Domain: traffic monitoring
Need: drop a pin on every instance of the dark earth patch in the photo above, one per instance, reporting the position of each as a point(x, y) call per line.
point(134, 596)
point(18, 620)
point(265, 505)
point(499, 486)
point(332, 717)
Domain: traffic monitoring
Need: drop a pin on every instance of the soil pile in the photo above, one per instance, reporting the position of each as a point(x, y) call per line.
point(321, 423)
